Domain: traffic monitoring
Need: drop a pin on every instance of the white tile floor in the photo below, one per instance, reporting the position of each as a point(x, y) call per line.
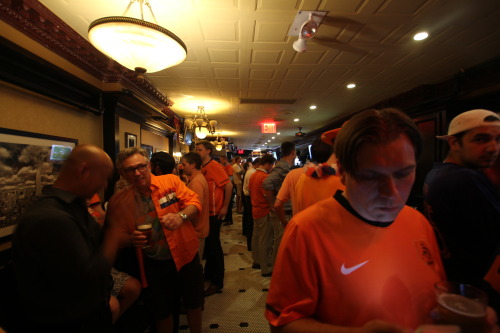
point(240, 306)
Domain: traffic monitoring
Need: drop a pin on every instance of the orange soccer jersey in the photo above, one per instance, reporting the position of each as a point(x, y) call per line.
point(310, 190)
point(217, 179)
point(339, 269)
point(260, 207)
point(229, 169)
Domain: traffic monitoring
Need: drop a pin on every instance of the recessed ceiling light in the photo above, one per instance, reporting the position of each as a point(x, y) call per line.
point(421, 36)
point(272, 138)
point(278, 133)
point(296, 119)
point(312, 107)
point(351, 85)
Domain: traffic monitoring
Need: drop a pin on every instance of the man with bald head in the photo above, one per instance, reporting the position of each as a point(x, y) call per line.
point(64, 280)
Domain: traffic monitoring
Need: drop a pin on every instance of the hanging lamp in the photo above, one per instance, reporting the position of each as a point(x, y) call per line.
point(137, 44)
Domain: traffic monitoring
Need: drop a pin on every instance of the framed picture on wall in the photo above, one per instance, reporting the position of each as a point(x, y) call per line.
point(130, 140)
point(28, 162)
point(148, 148)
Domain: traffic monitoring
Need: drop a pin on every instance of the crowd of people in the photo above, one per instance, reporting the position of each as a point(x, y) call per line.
point(343, 251)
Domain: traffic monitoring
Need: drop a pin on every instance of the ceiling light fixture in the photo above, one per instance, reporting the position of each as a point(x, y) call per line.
point(312, 107)
point(307, 31)
point(220, 143)
point(200, 125)
point(351, 85)
point(135, 43)
point(421, 36)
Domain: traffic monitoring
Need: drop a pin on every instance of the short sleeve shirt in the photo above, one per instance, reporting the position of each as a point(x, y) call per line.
point(217, 179)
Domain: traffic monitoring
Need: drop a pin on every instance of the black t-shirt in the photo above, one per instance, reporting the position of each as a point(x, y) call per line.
point(61, 273)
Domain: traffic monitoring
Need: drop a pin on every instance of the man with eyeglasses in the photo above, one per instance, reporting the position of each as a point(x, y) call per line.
point(169, 256)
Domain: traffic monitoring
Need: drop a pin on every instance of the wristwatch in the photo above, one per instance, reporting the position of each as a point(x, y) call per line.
point(184, 217)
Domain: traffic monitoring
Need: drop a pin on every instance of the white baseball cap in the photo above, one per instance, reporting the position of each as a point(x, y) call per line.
point(471, 119)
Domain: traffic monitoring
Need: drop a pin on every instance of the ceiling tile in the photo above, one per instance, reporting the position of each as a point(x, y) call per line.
point(271, 31)
point(262, 74)
point(224, 56)
point(227, 31)
point(226, 73)
point(266, 57)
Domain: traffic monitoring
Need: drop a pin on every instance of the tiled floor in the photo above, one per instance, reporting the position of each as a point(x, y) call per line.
point(240, 306)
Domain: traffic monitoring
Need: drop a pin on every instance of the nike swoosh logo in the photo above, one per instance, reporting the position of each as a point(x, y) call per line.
point(346, 271)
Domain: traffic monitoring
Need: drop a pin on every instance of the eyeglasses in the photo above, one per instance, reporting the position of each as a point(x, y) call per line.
point(130, 171)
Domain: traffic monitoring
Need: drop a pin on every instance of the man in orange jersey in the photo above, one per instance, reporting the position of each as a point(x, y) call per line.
point(219, 189)
point(191, 164)
point(315, 182)
point(238, 183)
point(228, 167)
point(168, 257)
point(360, 261)
point(262, 238)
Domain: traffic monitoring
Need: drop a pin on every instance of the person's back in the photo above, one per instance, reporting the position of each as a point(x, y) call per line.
point(319, 181)
point(461, 201)
point(263, 236)
point(191, 165)
point(64, 280)
point(310, 190)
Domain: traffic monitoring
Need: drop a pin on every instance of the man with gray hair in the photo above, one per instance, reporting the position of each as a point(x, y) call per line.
point(168, 253)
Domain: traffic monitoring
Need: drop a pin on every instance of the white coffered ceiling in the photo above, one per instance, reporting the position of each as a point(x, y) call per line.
point(241, 49)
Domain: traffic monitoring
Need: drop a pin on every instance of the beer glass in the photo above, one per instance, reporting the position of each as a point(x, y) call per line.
point(462, 305)
point(147, 230)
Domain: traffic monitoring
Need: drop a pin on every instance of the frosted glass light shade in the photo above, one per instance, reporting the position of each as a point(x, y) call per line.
point(137, 44)
point(201, 132)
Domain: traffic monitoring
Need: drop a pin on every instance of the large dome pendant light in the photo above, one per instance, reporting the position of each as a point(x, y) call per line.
point(137, 44)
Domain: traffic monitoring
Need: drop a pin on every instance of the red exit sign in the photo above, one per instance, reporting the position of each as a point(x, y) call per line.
point(268, 127)
point(241, 151)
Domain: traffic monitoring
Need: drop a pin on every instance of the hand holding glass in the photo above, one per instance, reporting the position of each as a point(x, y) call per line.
point(147, 230)
point(463, 305)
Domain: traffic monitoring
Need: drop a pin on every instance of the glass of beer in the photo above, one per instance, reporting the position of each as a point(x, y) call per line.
point(462, 305)
point(147, 230)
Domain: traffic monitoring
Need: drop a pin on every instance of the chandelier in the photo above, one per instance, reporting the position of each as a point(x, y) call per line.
point(135, 43)
point(219, 143)
point(200, 125)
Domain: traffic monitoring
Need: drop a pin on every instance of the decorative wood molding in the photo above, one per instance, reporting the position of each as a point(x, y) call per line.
point(36, 21)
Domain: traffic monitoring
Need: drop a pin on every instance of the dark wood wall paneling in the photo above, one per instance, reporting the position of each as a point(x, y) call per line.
point(36, 21)
point(432, 107)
